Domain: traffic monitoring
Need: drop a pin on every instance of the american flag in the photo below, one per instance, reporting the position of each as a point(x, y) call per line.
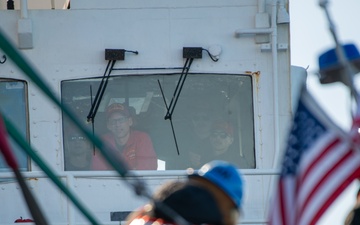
point(320, 161)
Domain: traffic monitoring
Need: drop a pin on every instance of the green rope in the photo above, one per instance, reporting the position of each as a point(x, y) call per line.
point(16, 135)
point(109, 155)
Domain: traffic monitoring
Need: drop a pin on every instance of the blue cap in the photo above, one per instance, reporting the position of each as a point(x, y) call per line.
point(225, 176)
point(330, 59)
point(330, 68)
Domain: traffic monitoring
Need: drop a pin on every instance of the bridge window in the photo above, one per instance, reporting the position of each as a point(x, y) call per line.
point(11, 92)
point(212, 119)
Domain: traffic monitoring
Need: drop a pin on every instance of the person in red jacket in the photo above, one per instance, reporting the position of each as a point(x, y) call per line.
point(134, 146)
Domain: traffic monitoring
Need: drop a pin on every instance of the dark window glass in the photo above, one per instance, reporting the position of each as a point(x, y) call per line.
point(212, 119)
point(13, 106)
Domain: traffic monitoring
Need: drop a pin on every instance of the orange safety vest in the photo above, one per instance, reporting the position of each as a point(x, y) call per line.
point(147, 220)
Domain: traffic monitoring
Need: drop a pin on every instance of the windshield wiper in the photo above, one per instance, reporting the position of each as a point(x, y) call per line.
point(190, 54)
point(112, 55)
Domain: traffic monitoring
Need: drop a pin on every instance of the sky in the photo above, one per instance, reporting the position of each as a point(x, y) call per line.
point(310, 37)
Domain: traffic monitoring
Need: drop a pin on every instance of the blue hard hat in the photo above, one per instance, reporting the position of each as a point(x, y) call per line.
point(329, 58)
point(331, 68)
point(225, 176)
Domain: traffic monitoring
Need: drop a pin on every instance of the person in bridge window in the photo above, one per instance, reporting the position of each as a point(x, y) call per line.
point(212, 195)
point(134, 146)
point(195, 136)
point(222, 144)
point(78, 152)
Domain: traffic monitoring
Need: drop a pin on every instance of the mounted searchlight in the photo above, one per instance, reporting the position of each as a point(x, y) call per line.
point(215, 51)
point(282, 15)
point(117, 54)
point(331, 68)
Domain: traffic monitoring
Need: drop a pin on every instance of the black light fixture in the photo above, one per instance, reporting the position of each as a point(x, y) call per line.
point(192, 52)
point(117, 54)
point(10, 5)
point(112, 55)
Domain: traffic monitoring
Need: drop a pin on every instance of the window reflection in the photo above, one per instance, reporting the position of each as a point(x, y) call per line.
point(205, 100)
point(134, 146)
point(78, 151)
point(15, 91)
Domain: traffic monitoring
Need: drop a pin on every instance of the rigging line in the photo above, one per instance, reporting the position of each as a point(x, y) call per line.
point(93, 108)
point(117, 163)
point(31, 202)
point(20, 140)
point(34, 208)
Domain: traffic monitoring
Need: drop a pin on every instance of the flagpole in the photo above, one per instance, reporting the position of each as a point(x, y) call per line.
point(349, 70)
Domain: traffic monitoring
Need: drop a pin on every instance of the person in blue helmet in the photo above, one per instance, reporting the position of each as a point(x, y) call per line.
point(211, 195)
